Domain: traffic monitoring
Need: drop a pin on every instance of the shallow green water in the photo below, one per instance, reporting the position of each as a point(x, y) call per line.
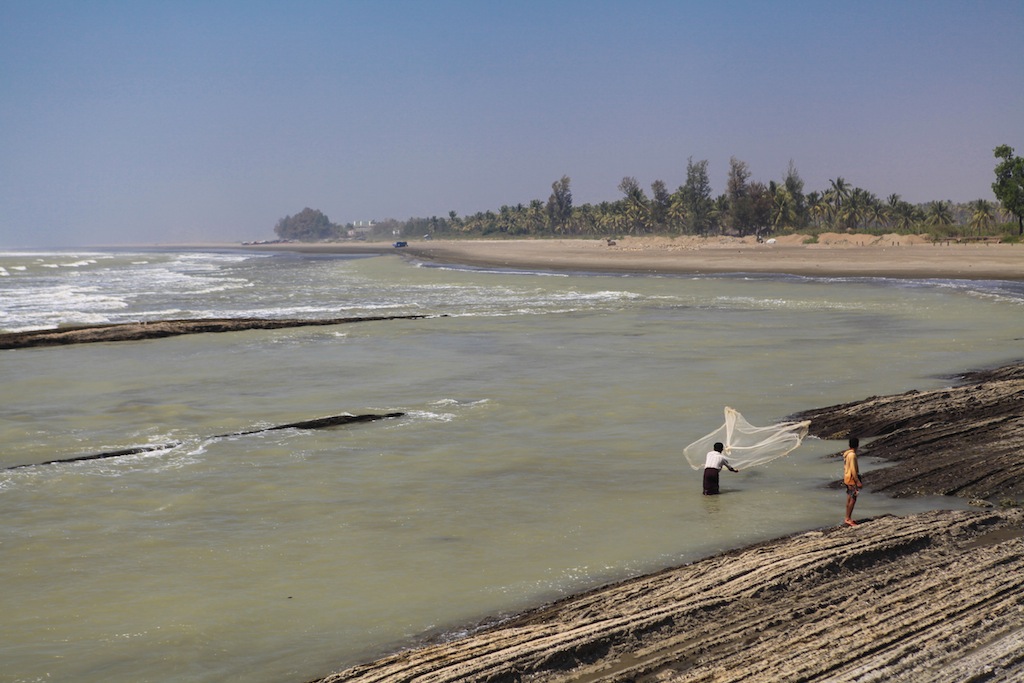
point(540, 454)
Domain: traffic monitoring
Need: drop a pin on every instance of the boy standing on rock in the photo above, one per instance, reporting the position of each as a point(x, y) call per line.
point(851, 477)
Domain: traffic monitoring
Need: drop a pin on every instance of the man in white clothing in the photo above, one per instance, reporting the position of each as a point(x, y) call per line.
point(712, 466)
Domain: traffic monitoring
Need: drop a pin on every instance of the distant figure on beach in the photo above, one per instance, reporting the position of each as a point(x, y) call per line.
point(851, 477)
point(713, 464)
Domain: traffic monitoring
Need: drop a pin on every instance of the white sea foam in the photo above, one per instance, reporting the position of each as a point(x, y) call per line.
point(430, 416)
point(460, 402)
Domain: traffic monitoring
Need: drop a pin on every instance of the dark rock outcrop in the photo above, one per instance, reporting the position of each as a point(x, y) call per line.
point(318, 423)
point(930, 598)
point(965, 440)
point(168, 328)
point(933, 597)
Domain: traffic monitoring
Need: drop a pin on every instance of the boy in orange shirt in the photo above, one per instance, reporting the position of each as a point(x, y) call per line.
point(851, 477)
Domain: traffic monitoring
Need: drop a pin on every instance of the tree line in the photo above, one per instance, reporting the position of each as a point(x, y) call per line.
point(747, 207)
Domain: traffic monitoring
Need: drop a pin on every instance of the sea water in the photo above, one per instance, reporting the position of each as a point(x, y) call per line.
point(540, 452)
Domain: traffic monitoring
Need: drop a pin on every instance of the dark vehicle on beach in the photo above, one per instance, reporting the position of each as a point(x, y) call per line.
point(401, 244)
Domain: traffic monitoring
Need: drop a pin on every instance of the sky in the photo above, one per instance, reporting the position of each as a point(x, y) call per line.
point(140, 122)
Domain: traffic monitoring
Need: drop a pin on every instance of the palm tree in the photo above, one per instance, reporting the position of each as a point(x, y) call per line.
point(907, 216)
point(784, 207)
point(869, 209)
point(939, 213)
point(583, 220)
point(608, 219)
point(878, 214)
point(982, 215)
point(836, 197)
point(817, 208)
point(637, 207)
point(892, 207)
point(677, 213)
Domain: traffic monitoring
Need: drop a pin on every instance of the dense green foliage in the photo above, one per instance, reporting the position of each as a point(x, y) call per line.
point(1009, 184)
point(306, 226)
point(747, 207)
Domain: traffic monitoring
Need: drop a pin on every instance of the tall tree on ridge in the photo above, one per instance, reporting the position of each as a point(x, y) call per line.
point(560, 205)
point(661, 202)
point(737, 189)
point(1009, 184)
point(698, 202)
point(307, 225)
point(760, 208)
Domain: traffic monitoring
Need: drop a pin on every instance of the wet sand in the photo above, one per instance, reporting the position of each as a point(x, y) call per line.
point(899, 256)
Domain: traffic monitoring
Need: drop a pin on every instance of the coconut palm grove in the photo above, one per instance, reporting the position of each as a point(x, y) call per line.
point(747, 207)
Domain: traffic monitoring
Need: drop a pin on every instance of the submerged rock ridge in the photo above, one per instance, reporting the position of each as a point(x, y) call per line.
point(317, 423)
point(965, 440)
point(168, 328)
point(932, 598)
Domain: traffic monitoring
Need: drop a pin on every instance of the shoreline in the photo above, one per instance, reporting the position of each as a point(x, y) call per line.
point(942, 601)
point(928, 597)
point(932, 597)
point(892, 256)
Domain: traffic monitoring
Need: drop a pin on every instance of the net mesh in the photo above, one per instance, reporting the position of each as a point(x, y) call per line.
point(745, 444)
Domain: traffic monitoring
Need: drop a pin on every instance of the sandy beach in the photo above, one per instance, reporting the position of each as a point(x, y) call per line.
point(900, 256)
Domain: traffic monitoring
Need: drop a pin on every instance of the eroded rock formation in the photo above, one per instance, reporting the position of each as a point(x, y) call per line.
point(934, 597)
point(167, 328)
point(930, 598)
point(965, 440)
point(317, 423)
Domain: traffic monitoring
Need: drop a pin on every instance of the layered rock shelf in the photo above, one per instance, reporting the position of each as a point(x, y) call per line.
point(137, 331)
point(930, 598)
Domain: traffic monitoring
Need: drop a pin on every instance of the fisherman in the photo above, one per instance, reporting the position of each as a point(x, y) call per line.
point(713, 464)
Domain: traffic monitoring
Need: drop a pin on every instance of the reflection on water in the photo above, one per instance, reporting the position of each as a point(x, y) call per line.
point(540, 452)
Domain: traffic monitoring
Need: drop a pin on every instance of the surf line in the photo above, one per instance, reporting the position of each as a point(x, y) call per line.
point(317, 423)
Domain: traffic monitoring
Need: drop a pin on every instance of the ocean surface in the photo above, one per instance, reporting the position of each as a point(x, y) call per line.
point(540, 453)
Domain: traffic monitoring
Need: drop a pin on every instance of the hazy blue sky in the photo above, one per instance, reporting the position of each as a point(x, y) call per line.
point(181, 120)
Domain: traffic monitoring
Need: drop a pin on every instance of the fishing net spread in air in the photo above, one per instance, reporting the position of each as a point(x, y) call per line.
point(745, 444)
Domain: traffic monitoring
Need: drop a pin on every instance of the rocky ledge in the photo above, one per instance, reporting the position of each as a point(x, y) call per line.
point(934, 597)
point(965, 440)
point(167, 328)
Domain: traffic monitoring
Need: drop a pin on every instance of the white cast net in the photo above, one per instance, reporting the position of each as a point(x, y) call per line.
point(745, 444)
